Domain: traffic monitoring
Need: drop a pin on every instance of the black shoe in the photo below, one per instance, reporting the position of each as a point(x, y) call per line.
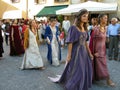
point(110, 58)
point(115, 59)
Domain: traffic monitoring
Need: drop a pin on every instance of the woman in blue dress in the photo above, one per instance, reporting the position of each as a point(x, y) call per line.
point(53, 42)
point(78, 71)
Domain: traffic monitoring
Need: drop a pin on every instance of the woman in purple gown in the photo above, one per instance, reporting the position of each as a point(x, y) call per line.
point(78, 71)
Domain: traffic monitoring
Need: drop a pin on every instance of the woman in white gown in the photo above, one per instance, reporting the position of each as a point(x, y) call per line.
point(32, 57)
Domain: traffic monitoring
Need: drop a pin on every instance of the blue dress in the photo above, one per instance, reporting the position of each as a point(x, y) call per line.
point(78, 72)
point(49, 34)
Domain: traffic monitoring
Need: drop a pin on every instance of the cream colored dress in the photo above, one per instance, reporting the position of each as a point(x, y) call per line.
point(54, 44)
point(32, 57)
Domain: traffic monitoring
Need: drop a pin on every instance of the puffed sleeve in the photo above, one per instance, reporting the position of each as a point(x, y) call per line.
point(72, 35)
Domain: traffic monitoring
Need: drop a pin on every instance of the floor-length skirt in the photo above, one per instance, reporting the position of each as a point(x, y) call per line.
point(32, 57)
point(55, 52)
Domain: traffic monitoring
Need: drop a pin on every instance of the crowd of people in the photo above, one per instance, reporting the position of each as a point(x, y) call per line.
point(86, 57)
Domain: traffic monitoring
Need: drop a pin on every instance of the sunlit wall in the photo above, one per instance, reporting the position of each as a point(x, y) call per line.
point(28, 7)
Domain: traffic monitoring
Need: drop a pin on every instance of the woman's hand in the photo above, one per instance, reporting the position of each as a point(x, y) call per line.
point(96, 54)
point(58, 38)
point(69, 52)
point(68, 58)
point(48, 42)
point(91, 56)
point(107, 40)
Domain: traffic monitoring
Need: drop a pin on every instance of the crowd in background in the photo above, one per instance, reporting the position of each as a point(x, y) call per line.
point(13, 30)
point(13, 33)
point(25, 36)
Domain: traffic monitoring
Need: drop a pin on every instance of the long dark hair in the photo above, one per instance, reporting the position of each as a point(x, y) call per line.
point(101, 16)
point(78, 19)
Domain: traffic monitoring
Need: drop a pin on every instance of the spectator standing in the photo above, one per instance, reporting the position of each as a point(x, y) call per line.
point(113, 36)
point(7, 31)
point(62, 36)
point(66, 25)
point(1, 41)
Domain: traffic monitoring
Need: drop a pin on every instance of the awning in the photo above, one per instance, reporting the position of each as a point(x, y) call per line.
point(50, 10)
point(90, 6)
point(13, 14)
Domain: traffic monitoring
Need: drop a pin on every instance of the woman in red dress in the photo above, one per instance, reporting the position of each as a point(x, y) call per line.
point(16, 45)
point(98, 48)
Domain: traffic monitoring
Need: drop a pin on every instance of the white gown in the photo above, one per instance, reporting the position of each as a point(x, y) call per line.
point(40, 37)
point(54, 44)
point(32, 57)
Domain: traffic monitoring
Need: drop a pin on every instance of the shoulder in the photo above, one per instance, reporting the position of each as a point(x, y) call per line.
point(96, 29)
point(118, 24)
point(56, 27)
point(106, 27)
point(109, 25)
point(67, 21)
point(26, 33)
point(48, 28)
point(63, 22)
point(73, 27)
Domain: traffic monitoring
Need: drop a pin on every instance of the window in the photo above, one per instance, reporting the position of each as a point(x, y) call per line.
point(15, 1)
point(61, 0)
point(92, 0)
point(40, 1)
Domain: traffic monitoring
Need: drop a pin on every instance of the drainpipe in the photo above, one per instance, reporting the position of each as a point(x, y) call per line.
point(26, 9)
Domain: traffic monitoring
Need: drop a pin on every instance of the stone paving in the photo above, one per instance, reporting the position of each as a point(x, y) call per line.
point(12, 78)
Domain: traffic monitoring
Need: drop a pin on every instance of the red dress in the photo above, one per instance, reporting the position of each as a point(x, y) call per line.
point(62, 35)
point(16, 46)
point(97, 45)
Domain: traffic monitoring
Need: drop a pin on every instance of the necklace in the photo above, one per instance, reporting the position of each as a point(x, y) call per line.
point(102, 29)
point(82, 30)
point(34, 31)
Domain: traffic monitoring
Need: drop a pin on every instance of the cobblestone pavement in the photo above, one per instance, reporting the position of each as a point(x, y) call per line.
point(12, 78)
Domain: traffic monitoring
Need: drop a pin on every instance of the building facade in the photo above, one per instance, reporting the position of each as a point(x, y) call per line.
point(30, 8)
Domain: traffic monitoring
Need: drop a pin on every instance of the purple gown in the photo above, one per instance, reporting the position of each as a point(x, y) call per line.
point(78, 72)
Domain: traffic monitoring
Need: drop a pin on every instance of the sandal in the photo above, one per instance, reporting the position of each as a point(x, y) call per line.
point(110, 83)
point(41, 68)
